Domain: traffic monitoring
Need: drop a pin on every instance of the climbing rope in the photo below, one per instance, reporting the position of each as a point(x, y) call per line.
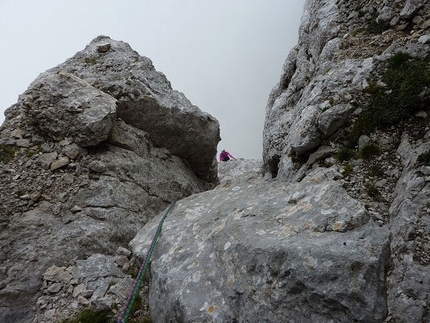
point(128, 306)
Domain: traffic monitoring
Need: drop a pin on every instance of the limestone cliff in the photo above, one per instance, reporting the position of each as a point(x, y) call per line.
point(333, 225)
point(337, 229)
point(93, 149)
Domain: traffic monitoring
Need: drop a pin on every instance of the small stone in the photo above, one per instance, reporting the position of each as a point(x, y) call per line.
point(121, 251)
point(17, 133)
point(35, 196)
point(381, 183)
point(45, 160)
point(82, 300)
point(51, 272)
point(54, 288)
point(409, 10)
point(37, 140)
point(421, 114)
point(87, 293)
point(121, 260)
point(76, 209)
point(42, 302)
point(65, 142)
point(78, 290)
point(72, 151)
point(425, 170)
point(60, 162)
point(103, 48)
point(50, 315)
point(68, 179)
point(126, 267)
point(24, 143)
point(97, 166)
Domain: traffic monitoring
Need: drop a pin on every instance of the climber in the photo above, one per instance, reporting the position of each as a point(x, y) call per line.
point(225, 156)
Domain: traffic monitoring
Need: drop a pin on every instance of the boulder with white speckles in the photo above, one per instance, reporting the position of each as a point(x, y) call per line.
point(268, 252)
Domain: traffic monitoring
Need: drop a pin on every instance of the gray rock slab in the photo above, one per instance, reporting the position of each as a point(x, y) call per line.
point(409, 282)
point(96, 266)
point(268, 252)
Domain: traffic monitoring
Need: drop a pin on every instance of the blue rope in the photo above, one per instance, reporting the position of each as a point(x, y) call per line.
point(128, 306)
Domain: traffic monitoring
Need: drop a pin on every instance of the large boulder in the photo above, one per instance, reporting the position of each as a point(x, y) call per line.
point(79, 177)
point(80, 98)
point(268, 252)
point(147, 101)
point(65, 106)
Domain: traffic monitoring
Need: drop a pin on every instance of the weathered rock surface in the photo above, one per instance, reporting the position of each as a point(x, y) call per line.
point(305, 238)
point(76, 179)
point(97, 280)
point(324, 76)
point(342, 44)
point(227, 171)
point(65, 106)
point(409, 281)
point(265, 251)
point(257, 250)
point(147, 101)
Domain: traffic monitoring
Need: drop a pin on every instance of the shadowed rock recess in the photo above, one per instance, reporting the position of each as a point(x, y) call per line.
point(332, 225)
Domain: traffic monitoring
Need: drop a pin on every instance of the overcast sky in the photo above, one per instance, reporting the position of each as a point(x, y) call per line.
point(224, 55)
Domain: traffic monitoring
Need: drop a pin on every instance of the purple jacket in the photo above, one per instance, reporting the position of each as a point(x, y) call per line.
point(225, 155)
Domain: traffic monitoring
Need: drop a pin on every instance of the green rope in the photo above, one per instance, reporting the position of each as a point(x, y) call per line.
point(128, 306)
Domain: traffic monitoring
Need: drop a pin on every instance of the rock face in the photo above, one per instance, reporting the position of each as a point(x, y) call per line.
point(268, 252)
point(409, 281)
point(323, 88)
point(311, 237)
point(106, 70)
point(65, 106)
point(324, 76)
point(308, 234)
point(227, 171)
point(83, 168)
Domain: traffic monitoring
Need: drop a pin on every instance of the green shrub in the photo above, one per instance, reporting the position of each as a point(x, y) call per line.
point(7, 153)
point(90, 316)
point(344, 154)
point(376, 170)
point(347, 170)
point(369, 151)
point(424, 158)
point(90, 60)
point(405, 78)
point(398, 59)
point(373, 192)
point(375, 27)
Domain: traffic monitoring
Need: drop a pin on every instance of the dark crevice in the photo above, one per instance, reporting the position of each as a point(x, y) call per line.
point(274, 165)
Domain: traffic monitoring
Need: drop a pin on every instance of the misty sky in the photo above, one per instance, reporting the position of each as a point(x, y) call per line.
point(225, 56)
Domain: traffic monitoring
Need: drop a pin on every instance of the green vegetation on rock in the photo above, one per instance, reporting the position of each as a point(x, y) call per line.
point(406, 81)
point(91, 316)
point(424, 158)
point(7, 153)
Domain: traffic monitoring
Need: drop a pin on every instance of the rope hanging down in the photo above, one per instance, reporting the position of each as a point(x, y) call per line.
point(126, 310)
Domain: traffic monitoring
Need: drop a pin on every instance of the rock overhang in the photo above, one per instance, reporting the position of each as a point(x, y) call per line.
point(80, 99)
